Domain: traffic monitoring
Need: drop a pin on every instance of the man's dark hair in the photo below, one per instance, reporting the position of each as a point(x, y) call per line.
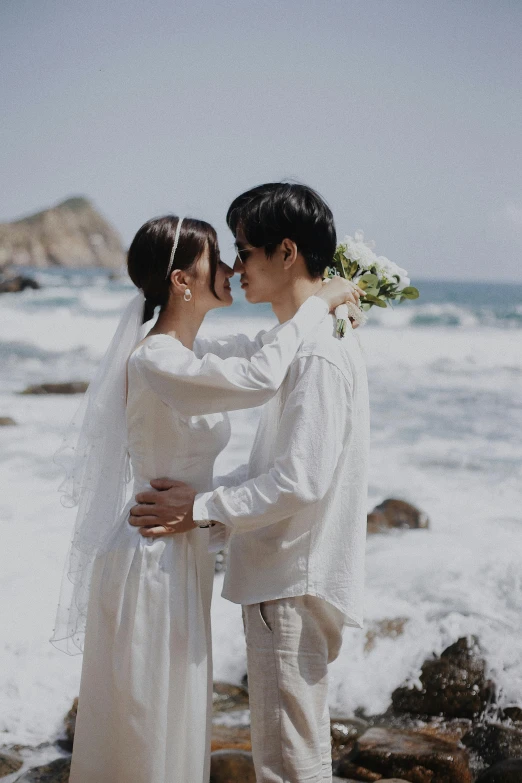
point(270, 213)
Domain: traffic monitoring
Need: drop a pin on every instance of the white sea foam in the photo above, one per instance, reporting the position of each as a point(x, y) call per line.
point(446, 418)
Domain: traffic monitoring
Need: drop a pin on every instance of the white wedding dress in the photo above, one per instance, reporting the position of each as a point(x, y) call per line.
point(144, 712)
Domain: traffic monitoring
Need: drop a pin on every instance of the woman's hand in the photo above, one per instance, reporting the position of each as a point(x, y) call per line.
point(337, 291)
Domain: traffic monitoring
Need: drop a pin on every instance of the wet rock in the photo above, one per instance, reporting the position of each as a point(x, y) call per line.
point(335, 779)
point(232, 766)
point(226, 697)
point(390, 628)
point(512, 713)
point(405, 754)
point(231, 738)
point(9, 762)
point(7, 421)
point(353, 771)
point(494, 742)
point(451, 730)
point(505, 772)
point(66, 743)
point(344, 733)
point(71, 387)
point(13, 285)
point(393, 513)
point(70, 721)
point(453, 685)
point(55, 772)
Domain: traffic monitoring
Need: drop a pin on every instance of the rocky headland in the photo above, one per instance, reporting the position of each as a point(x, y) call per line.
point(71, 234)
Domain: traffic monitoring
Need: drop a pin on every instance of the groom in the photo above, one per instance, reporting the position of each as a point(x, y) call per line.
point(297, 520)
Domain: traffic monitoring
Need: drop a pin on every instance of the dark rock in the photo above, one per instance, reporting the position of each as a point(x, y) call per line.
point(70, 724)
point(55, 772)
point(343, 733)
point(9, 762)
point(352, 771)
point(512, 713)
point(71, 234)
point(393, 513)
point(390, 628)
point(453, 685)
point(494, 742)
point(226, 697)
point(505, 772)
point(7, 421)
point(71, 387)
point(17, 283)
point(451, 730)
point(335, 779)
point(231, 766)
point(407, 754)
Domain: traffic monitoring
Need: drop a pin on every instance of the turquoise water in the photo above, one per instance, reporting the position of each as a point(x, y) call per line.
point(442, 303)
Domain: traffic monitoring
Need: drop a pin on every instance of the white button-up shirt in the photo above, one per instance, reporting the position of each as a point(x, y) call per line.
point(297, 522)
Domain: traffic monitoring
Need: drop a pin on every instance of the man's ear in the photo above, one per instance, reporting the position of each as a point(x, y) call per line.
point(289, 251)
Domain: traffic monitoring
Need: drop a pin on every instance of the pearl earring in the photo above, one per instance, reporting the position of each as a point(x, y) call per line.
point(187, 296)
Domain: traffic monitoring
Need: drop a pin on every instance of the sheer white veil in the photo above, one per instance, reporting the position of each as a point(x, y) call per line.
point(95, 457)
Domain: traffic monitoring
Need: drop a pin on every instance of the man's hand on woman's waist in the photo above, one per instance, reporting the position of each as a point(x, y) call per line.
point(164, 510)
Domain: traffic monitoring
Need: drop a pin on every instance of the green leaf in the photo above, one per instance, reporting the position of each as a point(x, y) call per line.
point(374, 300)
point(410, 292)
point(370, 279)
point(354, 266)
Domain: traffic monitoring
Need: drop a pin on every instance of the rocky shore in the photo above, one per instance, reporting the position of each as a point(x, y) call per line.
point(445, 728)
point(445, 731)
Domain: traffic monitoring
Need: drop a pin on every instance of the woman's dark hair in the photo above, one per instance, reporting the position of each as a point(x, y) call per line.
point(149, 255)
point(270, 213)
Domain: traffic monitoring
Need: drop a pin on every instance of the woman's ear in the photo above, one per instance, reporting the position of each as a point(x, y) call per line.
point(179, 281)
point(289, 251)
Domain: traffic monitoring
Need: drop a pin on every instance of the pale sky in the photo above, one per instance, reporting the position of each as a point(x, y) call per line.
point(406, 115)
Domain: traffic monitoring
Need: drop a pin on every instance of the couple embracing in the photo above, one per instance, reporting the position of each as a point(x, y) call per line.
point(139, 580)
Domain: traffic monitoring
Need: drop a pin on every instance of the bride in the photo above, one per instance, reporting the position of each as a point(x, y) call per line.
point(140, 608)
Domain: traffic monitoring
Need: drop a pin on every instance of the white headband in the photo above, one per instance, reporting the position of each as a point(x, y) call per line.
point(174, 247)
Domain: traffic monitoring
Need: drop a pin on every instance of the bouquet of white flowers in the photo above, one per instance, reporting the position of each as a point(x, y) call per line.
point(381, 279)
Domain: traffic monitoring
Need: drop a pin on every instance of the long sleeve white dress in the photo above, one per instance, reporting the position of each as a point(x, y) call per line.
point(144, 712)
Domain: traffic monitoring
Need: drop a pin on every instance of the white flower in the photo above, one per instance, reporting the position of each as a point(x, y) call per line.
point(359, 237)
point(390, 269)
point(357, 250)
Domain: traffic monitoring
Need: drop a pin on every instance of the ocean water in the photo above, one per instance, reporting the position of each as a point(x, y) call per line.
point(445, 379)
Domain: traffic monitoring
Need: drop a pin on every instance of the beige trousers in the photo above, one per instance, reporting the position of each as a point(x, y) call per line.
point(290, 642)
